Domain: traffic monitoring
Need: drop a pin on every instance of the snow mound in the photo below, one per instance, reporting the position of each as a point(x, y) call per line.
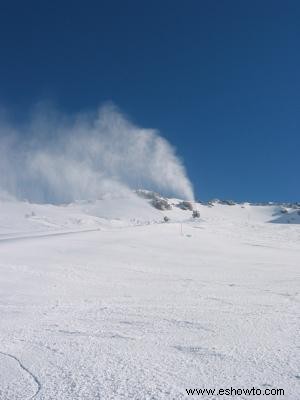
point(287, 216)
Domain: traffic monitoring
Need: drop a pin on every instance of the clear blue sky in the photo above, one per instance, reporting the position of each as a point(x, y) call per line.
point(219, 79)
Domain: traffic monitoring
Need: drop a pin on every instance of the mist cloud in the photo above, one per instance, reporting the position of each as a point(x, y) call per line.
point(58, 158)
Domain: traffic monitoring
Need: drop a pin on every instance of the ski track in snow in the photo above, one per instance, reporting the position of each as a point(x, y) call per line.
point(44, 235)
point(34, 378)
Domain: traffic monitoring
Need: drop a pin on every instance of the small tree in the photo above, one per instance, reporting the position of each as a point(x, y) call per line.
point(196, 214)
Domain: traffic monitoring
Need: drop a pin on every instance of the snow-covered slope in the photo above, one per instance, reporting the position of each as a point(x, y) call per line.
point(24, 218)
point(105, 301)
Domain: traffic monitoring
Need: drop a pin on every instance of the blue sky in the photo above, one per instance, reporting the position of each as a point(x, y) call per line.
point(219, 79)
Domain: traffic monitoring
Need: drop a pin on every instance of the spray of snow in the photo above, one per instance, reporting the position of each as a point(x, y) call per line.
point(58, 158)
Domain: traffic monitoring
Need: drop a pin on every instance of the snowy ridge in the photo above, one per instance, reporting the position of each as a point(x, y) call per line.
point(21, 218)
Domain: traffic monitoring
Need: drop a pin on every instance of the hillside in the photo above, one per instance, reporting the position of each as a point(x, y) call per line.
point(105, 300)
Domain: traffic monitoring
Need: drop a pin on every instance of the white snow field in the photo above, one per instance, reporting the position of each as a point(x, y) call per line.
point(104, 301)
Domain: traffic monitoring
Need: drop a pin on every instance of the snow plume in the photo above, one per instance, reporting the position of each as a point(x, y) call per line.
point(57, 158)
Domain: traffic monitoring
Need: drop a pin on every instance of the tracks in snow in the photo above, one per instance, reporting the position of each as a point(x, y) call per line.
point(46, 235)
point(34, 378)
